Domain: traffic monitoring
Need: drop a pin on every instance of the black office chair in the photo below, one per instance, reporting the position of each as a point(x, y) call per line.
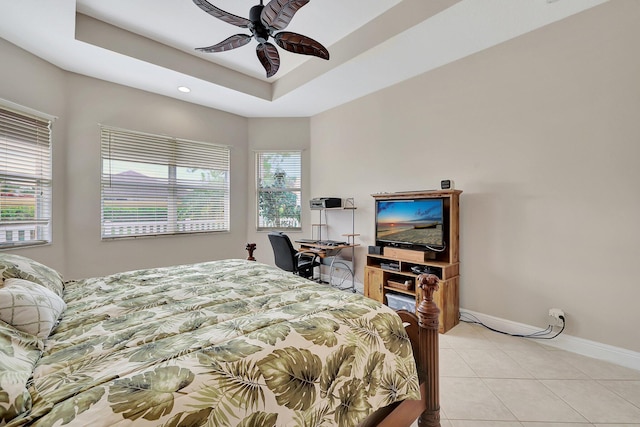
point(288, 259)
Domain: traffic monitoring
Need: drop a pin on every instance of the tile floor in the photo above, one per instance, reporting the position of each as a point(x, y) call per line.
point(491, 379)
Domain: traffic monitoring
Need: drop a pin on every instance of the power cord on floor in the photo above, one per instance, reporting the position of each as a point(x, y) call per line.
point(540, 335)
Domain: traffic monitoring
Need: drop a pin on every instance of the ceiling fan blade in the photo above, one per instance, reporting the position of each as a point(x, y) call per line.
point(227, 44)
point(227, 17)
point(297, 43)
point(278, 13)
point(269, 57)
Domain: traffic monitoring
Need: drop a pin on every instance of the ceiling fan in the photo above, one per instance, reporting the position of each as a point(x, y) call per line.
point(263, 23)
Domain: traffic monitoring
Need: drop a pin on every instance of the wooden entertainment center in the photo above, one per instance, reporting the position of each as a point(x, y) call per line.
point(391, 272)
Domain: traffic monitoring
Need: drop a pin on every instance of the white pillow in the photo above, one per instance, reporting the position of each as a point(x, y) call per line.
point(30, 307)
point(19, 267)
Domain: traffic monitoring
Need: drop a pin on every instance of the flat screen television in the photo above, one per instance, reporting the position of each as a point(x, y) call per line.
point(411, 223)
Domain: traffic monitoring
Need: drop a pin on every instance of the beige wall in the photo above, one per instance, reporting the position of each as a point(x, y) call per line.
point(81, 103)
point(542, 135)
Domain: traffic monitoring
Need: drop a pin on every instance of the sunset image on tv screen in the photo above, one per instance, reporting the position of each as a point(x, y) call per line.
point(416, 222)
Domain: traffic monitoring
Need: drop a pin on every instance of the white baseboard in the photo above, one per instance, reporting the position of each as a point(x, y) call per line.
point(617, 355)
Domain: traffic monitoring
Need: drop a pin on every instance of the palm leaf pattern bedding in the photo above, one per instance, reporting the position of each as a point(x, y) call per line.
point(222, 343)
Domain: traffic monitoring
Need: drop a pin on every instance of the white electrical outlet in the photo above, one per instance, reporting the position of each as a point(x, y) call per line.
point(556, 314)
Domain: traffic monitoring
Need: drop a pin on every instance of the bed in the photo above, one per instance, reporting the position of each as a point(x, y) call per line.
point(222, 343)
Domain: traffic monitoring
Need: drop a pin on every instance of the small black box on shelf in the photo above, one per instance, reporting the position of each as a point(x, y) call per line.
point(425, 269)
point(375, 250)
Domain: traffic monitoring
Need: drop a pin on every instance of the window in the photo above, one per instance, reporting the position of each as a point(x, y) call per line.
point(279, 190)
point(25, 179)
point(155, 185)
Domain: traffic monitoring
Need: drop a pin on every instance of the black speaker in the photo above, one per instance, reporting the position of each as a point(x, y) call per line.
point(375, 250)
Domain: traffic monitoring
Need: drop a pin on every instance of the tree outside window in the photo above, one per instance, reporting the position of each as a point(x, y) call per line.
point(279, 190)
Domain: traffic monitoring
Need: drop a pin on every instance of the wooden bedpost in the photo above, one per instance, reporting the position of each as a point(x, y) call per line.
point(250, 248)
point(422, 328)
point(428, 313)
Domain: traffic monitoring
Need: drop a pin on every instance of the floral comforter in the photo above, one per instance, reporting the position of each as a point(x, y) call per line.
point(223, 343)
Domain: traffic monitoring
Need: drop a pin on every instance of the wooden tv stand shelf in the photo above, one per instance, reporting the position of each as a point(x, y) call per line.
point(391, 272)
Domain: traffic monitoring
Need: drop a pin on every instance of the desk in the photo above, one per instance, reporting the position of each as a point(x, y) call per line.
point(324, 250)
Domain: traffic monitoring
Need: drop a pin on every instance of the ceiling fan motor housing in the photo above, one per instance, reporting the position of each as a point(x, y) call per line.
point(260, 31)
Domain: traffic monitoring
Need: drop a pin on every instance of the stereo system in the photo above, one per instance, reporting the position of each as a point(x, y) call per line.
point(393, 266)
point(325, 202)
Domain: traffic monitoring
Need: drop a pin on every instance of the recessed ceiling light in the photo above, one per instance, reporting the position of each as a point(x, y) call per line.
point(184, 89)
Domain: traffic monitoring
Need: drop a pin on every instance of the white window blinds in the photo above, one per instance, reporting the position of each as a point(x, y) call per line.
point(154, 185)
point(279, 188)
point(25, 179)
